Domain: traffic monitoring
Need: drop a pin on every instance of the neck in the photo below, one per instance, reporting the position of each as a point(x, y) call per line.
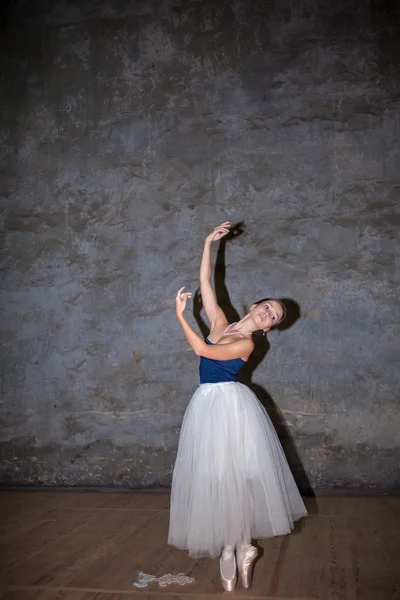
point(244, 326)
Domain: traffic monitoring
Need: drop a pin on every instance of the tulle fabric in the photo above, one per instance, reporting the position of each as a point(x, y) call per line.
point(231, 480)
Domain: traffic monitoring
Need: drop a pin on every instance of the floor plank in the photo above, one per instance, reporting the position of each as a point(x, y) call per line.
point(91, 545)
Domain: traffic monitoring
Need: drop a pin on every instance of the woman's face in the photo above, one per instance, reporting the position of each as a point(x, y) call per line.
point(266, 314)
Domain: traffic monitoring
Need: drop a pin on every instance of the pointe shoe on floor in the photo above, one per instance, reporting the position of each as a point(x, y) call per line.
point(228, 572)
point(246, 560)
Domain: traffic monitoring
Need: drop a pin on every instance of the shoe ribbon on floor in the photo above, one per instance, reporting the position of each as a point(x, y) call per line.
point(144, 579)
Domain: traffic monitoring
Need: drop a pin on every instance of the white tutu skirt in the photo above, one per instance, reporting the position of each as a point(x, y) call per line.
point(231, 480)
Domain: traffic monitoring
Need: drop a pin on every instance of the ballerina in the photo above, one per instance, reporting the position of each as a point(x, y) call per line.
point(231, 481)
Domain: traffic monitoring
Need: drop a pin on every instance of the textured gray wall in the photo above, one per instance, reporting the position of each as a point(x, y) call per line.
point(127, 131)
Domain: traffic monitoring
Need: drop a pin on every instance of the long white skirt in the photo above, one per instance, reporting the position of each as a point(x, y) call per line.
point(231, 480)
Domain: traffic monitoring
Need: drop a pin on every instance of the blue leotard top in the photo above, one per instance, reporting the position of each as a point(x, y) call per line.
point(217, 371)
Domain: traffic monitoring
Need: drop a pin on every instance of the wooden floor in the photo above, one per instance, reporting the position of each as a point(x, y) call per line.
point(91, 545)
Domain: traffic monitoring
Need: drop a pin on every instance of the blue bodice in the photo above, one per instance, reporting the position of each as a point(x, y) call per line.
point(218, 371)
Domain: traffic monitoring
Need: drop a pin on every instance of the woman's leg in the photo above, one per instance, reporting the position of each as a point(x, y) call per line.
point(228, 563)
point(246, 555)
point(228, 568)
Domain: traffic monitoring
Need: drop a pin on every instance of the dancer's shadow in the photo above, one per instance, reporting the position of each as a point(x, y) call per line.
point(260, 351)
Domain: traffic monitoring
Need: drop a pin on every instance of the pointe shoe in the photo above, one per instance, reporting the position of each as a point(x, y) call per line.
point(246, 560)
point(229, 578)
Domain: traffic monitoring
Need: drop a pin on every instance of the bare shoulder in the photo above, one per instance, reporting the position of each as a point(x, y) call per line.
point(236, 348)
point(217, 338)
point(248, 344)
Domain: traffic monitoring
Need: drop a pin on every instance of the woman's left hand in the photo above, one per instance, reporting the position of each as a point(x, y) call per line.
point(181, 300)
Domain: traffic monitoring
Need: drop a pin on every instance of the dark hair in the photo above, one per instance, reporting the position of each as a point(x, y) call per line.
point(283, 307)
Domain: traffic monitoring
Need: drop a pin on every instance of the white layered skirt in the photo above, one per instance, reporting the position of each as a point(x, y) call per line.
point(231, 480)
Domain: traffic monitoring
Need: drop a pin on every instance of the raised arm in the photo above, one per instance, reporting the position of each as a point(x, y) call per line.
point(214, 313)
point(240, 349)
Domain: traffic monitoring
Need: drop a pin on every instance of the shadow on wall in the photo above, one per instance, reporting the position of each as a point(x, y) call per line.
point(260, 351)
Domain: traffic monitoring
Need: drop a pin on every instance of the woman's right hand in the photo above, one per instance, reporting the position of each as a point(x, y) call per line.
point(219, 232)
point(181, 300)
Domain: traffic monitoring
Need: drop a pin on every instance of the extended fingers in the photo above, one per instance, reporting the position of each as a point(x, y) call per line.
point(181, 295)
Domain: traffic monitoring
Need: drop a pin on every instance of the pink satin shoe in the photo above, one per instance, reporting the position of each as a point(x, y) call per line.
point(246, 560)
point(228, 572)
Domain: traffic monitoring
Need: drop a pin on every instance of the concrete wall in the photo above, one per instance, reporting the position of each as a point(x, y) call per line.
point(127, 131)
